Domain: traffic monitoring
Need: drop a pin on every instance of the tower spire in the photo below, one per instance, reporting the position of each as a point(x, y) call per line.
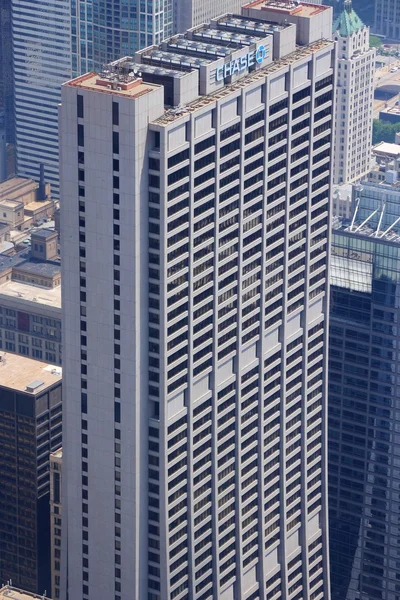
point(347, 5)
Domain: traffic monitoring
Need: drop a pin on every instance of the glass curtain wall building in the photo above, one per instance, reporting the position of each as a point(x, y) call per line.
point(42, 62)
point(105, 30)
point(364, 417)
point(6, 76)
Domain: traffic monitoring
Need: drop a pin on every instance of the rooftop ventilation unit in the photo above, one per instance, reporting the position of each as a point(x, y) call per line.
point(34, 385)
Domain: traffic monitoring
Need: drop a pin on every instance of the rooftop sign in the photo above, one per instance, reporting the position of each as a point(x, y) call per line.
point(242, 64)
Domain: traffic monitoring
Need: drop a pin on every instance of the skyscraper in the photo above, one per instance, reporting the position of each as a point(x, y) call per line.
point(387, 19)
point(30, 428)
point(106, 31)
point(6, 74)
point(191, 13)
point(42, 62)
point(354, 97)
point(194, 305)
point(364, 490)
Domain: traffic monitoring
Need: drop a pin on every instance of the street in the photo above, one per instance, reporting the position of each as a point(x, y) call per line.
point(383, 77)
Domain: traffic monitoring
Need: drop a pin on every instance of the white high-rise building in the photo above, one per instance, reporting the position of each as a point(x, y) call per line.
point(196, 189)
point(354, 97)
point(42, 62)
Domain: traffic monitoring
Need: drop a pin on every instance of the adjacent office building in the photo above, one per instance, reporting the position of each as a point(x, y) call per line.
point(55, 520)
point(25, 203)
point(30, 300)
point(3, 146)
point(364, 474)
point(194, 313)
point(6, 74)
point(8, 592)
point(354, 97)
point(108, 31)
point(191, 13)
point(30, 428)
point(387, 19)
point(41, 42)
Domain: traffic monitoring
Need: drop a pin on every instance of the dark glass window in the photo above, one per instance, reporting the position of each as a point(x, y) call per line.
point(115, 142)
point(57, 484)
point(79, 106)
point(81, 136)
point(115, 113)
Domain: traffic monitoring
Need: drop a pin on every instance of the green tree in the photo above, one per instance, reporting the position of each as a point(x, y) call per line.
point(375, 41)
point(383, 131)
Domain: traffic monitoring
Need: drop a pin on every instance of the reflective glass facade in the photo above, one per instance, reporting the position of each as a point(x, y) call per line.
point(105, 30)
point(375, 197)
point(42, 62)
point(6, 83)
point(364, 447)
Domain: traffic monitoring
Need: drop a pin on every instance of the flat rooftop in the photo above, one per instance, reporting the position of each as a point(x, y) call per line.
point(23, 261)
point(46, 269)
point(134, 83)
point(38, 204)
point(302, 9)
point(7, 203)
point(43, 233)
point(387, 149)
point(32, 293)
point(19, 372)
point(12, 593)
point(16, 186)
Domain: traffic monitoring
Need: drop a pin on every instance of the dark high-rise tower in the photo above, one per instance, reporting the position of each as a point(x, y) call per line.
point(364, 417)
point(30, 428)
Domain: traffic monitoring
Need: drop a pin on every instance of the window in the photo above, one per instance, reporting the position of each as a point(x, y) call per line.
point(56, 484)
point(81, 137)
point(79, 106)
point(115, 142)
point(115, 113)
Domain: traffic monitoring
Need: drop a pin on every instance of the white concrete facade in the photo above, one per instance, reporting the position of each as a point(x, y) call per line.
point(354, 102)
point(193, 461)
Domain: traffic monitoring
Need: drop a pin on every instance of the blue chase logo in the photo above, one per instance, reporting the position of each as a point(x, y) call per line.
point(242, 63)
